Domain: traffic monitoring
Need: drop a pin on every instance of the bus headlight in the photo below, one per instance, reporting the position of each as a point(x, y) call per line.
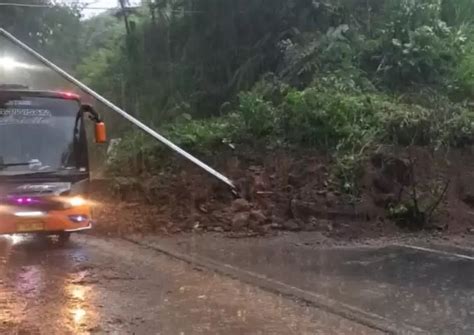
point(78, 218)
point(8, 63)
point(76, 202)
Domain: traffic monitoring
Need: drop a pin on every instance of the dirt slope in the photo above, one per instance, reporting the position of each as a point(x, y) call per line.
point(297, 192)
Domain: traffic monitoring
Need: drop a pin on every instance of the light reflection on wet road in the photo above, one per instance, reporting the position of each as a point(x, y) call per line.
point(114, 287)
point(37, 283)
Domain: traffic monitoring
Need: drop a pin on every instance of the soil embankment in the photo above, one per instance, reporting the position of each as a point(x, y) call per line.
point(297, 192)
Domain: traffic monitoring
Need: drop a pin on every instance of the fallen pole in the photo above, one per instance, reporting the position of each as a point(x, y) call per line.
point(117, 109)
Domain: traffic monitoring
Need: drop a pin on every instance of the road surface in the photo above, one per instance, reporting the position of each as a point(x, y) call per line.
point(98, 286)
point(417, 285)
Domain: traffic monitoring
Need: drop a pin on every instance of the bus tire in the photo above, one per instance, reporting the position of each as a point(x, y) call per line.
point(64, 237)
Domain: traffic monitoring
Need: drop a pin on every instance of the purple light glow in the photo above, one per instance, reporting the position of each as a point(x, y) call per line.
point(24, 201)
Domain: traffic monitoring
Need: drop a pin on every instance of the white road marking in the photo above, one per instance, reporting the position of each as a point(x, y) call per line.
point(436, 251)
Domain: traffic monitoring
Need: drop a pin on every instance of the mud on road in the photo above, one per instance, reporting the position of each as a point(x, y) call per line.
point(98, 286)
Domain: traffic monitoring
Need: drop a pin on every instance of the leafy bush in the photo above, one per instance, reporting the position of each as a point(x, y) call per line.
point(458, 12)
point(406, 125)
point(199, 135)
point(416, 46)
point(407, 215)
point(448, 125)
point(271, 88)
point(458, 129)
point(130, 153)
point(350, 80)
point(138, 152)
point(464, 74)
point(257, 115)
point(417, 202)
point(349, 168)
point(326, 118)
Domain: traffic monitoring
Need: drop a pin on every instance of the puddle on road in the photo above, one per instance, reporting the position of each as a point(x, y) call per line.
point(41, 290)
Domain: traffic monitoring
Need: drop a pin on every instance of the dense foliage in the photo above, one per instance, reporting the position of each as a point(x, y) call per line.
point(195, 56)
point(339, 75)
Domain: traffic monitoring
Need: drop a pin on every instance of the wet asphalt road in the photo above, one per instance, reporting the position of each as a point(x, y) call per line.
point(96, 286)
point(423, 286)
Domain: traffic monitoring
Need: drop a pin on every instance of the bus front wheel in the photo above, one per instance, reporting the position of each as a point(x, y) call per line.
point(64, 237)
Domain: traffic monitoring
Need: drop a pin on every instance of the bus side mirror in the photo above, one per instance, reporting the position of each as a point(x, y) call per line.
point(100, 133)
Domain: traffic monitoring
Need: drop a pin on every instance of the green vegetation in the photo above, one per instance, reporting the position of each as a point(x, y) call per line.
point(340, 76)
point(197, 56)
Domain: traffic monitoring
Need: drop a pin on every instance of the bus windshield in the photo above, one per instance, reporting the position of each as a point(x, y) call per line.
point(39, 134)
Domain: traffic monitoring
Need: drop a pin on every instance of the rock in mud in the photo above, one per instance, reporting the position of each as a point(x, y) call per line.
point(295, 180)
point(331, 199)
point(276, 222)
point(321, 225)
point(127, 189)
point(466, 190)
point(383, 184)
point(384, 200)
point(261, 229)
point(393, 167)
point(240, 205)
point(258, 217)
point(304, 209)
point(240, 221)
point(292, 225)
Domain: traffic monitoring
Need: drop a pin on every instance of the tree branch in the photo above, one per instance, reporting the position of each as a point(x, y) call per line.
point(435, 205)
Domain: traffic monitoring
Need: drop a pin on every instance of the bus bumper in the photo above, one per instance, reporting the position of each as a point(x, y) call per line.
point(54, 222)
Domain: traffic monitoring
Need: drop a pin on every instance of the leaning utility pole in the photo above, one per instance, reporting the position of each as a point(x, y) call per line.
point(117, 109)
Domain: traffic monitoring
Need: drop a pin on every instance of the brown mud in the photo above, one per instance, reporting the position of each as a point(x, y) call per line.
point(289, 191)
